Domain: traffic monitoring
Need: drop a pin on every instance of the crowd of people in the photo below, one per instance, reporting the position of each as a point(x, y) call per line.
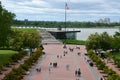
point(65, 52)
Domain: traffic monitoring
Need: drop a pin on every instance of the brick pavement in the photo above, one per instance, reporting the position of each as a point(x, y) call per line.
point(60, 72)
point(9, 69)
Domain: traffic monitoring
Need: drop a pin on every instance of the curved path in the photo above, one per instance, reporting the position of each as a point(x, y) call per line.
point(61, 72)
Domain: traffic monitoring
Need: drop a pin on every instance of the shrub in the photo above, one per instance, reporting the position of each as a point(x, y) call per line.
point(101, 66)
point(1, 67)
point(17, 74)
point(113, 77)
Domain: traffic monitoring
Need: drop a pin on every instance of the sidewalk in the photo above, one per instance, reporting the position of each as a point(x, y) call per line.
point(16, 65)
point(111, 65)
point(72, 59)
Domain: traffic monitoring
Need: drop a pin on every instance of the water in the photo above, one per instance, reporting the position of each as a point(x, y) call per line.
point(85, 32)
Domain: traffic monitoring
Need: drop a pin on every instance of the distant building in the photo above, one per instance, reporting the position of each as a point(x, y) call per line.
point(100, 21)
point(105, 20)
point(26, 20)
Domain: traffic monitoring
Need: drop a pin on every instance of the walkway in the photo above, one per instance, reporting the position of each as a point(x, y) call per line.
point(9, 69)
point(72, 59)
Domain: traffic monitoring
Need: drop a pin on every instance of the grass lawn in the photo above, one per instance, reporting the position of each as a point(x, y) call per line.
point(79, 42)
point(5, 55)
point(27, 29)
point(117, 55)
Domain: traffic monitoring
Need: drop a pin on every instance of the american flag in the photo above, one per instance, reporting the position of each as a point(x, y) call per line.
point(67, 7)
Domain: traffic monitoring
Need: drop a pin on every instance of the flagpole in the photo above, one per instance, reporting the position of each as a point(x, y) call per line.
point(65, 26)
point(65, 16)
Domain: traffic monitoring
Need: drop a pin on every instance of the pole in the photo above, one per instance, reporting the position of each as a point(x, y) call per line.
point(65, 26)
point(65, 16)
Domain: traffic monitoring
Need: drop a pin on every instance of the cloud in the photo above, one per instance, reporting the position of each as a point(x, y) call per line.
point(85, 1)
point(47, 9)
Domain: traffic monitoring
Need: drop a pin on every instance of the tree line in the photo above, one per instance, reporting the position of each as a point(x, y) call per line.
point(54, 24)
point(6, 20)
point(14, 38)
point(103, 41)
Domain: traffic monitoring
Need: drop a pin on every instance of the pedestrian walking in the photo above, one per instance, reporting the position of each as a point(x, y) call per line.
point(39, 69)
point(76, 72)
point(79, 73)
point(67, 67)
point(85, 58)
point(101, 78)
point(79, 69)
point(78, 53)
point(64, 54)
point(49, 69)
point(51, 64)
point(61, 56)
point(57, 56)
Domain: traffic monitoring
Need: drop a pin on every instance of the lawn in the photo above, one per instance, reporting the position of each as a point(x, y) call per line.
point(27, 29)
point(5, 55)
point(117, 55)
point(79, 42)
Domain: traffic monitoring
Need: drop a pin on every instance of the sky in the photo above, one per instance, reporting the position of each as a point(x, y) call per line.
point(54, 10)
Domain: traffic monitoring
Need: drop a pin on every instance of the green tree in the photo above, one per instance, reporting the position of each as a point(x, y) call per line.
point(31, 40)
point(93, 42)
point(116, 41)
point(6, 19)
point(105, 41)
point(25, 39)
point(99, 41)
point(16, 40)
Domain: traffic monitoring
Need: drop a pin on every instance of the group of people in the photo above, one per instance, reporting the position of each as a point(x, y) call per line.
point(38, 69)
point(59, 56)
point(78, 72)
point(53, 64)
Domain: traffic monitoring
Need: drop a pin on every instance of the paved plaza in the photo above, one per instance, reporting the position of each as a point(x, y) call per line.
point(67, 63)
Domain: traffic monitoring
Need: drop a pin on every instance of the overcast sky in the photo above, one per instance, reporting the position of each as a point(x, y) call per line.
point(54, 10)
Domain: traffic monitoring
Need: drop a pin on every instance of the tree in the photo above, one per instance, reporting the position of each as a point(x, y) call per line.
point(6, 19)
point(116, 41)
point(25, 39)
point(105, 41)
point(99, 41)
point(93, 42)
point(16, 40)
point(31, 40)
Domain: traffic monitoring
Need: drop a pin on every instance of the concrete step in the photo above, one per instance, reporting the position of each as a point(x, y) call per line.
point(47, 38)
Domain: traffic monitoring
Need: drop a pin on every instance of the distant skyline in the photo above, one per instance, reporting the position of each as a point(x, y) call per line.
point(54, 10)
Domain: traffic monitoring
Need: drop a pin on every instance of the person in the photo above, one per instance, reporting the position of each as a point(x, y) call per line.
point(65, 46)
point(76, 72)
point(61, 56)
point(67, 67)
point(50, 63)
point(49, 69)
point(101, 78)
point(79, 53)
point(64, 54)
point(56, 64)
point(79, 73)
point(39, 70)
point(57, 56)
point(79, 69)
